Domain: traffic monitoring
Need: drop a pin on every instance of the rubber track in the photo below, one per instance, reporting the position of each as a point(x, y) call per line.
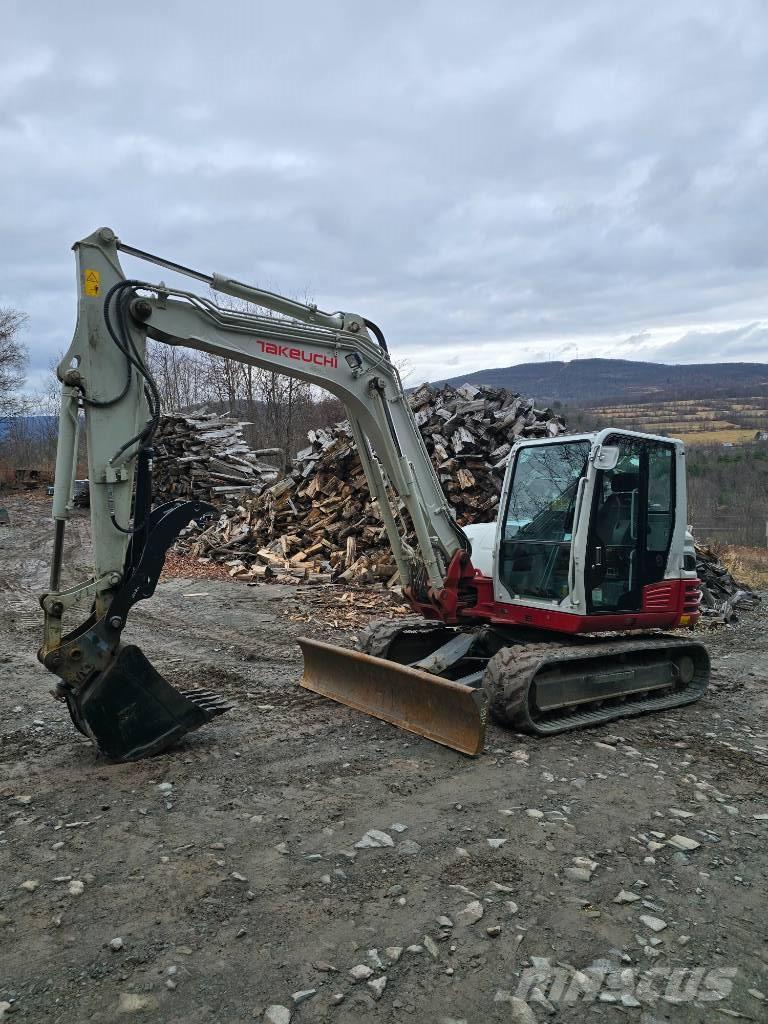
point(512, 670)
point(376, 638)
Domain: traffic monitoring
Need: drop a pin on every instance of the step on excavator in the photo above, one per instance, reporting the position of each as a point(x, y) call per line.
point(550, 618)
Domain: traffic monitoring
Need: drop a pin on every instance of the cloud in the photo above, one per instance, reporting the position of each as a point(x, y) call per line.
point(18, 73)
point(738, 344)
point(492, 184)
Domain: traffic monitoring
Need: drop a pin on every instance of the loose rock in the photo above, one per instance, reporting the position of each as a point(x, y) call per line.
point(277, 1014)
point(471, 914)
point(131, 1002)
point(519, 1011)
point(578, 874)
point(360, 972)
point(374, 839)
point(408, 848)
point(302, 996)
point(654, 923)
point(377, 986)
point(683, 843)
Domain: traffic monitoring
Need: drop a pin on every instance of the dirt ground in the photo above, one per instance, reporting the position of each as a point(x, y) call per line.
point(228, 869)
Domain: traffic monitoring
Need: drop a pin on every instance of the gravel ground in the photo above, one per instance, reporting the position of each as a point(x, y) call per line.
point(222, 883)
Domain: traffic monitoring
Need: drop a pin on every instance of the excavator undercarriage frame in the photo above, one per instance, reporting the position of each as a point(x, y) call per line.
point(543, 684)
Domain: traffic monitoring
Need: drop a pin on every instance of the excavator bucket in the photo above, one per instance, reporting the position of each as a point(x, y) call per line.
point(130, 711)
point(114, 694)
point(438, 709)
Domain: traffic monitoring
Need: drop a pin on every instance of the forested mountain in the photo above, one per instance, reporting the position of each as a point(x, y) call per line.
point(597, 380)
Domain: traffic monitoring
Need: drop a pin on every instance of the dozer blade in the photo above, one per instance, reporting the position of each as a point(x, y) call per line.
point(438, 709)
point(130, 711)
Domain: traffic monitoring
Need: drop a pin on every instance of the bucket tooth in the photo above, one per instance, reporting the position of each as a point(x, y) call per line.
point(211, 707)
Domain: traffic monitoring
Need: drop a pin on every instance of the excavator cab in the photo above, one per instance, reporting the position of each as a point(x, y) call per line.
point(589, 522)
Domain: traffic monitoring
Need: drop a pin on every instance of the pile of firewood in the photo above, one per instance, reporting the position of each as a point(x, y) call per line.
point(320, 522)
point(204, 455)
point(721, 594)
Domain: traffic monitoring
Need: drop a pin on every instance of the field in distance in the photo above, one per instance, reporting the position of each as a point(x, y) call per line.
point(715, 420)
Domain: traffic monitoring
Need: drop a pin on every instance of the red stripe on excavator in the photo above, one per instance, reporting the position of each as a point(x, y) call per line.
point(665, 605)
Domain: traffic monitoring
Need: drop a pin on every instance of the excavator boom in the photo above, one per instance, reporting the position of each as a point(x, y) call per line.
point(113, 693)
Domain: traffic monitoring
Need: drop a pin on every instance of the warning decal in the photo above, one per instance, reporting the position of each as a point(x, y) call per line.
point(92, 282)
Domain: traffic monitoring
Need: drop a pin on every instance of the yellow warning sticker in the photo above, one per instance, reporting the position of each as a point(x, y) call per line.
point(92, 282)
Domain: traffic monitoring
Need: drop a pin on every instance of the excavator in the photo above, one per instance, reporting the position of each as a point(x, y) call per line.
point(549, 619)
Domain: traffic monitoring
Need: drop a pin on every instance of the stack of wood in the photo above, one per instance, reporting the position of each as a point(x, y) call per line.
point(204, 455)
point(320, 523)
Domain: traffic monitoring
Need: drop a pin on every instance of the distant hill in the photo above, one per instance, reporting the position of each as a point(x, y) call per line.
point(597, 380)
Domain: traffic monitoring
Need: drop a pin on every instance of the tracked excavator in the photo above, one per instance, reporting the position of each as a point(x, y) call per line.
point(549, 619)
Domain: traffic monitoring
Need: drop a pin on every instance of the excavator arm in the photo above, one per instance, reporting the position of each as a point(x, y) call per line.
point(113, 693)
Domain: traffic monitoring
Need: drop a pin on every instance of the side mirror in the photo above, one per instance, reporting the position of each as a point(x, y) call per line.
point(607, 457)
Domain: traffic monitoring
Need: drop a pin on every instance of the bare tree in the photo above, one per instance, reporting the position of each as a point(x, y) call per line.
point(224, 378)
point(284, 401)
point(13, 361)
point(275, 405)
point(182, 375)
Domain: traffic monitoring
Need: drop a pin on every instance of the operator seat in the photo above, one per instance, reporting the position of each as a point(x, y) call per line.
point(613, 531)
point(614, 518)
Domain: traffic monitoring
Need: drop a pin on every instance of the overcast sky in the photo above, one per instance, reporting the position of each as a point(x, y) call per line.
point(491, 182)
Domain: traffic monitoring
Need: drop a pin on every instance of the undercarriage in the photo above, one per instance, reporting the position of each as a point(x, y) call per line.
point(540, 683)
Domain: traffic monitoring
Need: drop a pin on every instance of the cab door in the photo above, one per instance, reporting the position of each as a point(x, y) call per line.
point(536, 527)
